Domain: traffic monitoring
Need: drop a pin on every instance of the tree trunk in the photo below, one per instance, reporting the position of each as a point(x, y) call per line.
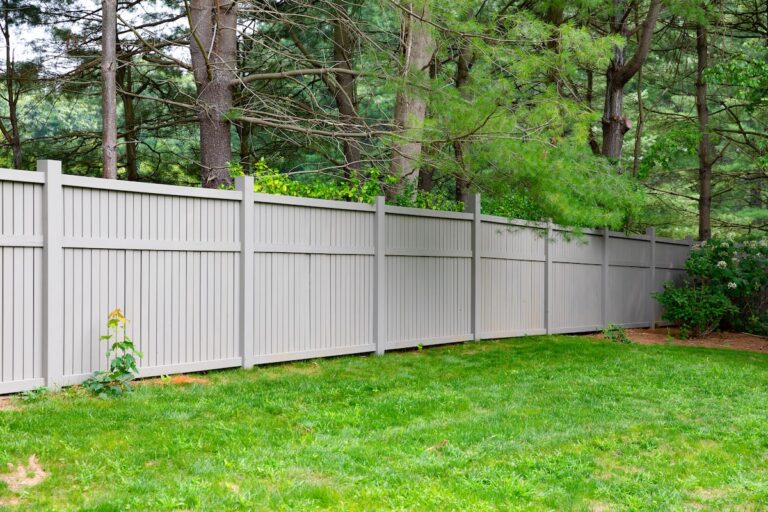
point(427, 170)
point(130, 128)
point(705, 147)
point(636, 154)
point(244, 134)
point(620, 71)
point(417, 47)
point(213, 48)
point(591, 140)
point(615, 125)
point(11, 134)
point(463, 66)
point(109, 88)
point(345, 93)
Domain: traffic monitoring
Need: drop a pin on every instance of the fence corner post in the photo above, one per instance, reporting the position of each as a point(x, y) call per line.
point(244, 184)
point(606, 261)
point(548, 282)
point(380, 277)
point(651, 233)
point(53, 276)
point(473, 207)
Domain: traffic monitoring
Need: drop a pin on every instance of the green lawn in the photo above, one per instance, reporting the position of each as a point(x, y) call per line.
point(537, 423)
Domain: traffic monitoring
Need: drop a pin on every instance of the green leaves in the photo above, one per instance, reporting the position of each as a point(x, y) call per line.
point(725, 287)
point(122, 358)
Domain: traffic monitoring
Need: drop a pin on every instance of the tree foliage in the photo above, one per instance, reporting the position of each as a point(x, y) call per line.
point(582, 112)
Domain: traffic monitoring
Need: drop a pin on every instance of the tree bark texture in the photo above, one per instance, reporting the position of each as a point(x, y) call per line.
point(620, 71)
point(109, 88)
point(213, 48)
point(417, 47)
point(345, 92)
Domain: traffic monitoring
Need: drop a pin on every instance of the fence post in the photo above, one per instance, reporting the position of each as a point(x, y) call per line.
point(548, 284)
point(244, 184)
point(651, 232)
point(606, 254)
point(474, 207)
point(380, 277)
point(53, 276)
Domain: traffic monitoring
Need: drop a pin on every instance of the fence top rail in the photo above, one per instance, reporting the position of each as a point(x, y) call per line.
point(148, 188)
point(629, 236)
point(21, 176)
point(421, 212)
point(495, 219)
point(673, 241)
point(312, 202)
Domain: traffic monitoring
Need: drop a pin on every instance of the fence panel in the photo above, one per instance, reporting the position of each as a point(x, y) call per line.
point(629, 259)
point(512, 279)
point(21, 242)
point(577, 292)
point(170, 262)
point(428, 259)
point(313, 279)
point(213, 279)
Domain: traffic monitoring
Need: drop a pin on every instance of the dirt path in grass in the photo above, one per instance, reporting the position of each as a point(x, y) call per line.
point(732, 340)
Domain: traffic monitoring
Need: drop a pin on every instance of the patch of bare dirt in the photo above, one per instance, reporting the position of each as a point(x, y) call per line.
point(10, 502)
point(176, 380)
point(728, 340)
point(232, 487)
point(22, 476)
point(599, 506)
point(6, 404)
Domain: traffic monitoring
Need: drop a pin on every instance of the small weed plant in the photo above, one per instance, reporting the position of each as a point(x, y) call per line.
point(33, 395)
point(616, 334)
point(122, 357)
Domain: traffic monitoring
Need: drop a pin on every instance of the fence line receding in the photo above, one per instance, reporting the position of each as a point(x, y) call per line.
point(214, 279)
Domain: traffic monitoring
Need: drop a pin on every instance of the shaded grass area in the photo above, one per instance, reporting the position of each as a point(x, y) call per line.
point(535, 423)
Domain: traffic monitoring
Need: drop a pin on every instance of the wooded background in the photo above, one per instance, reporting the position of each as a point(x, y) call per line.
point(593, 113)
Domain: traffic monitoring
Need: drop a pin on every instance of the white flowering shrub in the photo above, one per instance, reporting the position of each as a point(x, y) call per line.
point(726, 287)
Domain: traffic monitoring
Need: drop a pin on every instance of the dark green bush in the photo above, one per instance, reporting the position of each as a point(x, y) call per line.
point(698, 309)
point(725, 287)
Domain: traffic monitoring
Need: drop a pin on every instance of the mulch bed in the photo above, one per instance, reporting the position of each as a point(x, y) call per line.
point(728, 340)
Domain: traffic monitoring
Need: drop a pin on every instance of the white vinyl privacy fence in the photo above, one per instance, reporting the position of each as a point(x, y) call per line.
point(214, 279)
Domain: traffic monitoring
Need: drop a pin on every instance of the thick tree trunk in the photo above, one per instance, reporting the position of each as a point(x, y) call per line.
point(417, 46)
point(615, 125)
point(213, 48)
point(620, 71)
point(705, 147)
point(109, 88)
